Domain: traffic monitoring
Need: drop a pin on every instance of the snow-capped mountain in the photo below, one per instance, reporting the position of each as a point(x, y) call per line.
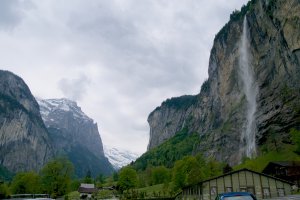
point(75, 135)
point(50, 106)
point(119, 158)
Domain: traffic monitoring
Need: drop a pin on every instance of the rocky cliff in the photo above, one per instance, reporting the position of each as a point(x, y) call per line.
point(75, 135)
point(253, 89)
point(24, 141)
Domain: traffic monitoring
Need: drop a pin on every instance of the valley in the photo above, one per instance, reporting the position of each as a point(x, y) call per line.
point(239, 133)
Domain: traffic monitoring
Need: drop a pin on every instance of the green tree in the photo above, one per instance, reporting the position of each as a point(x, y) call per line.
point(200, 159)
point(143, 179)
point(213, 168)
point(56, 176)
point(160, 175)
point(115, 176)
point(100, 179)
point(191, 170)
point(128, 178)
point(75, 183)
point(4, 191)
point(274, 141)
point(26, 183)
point(179, 175)
point(295, 136)
point(88, 177)
point(227, 168)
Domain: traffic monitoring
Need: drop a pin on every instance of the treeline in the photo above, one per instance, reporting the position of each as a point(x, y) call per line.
point(172, 164)
point(55, 178)
point(159, 165)
point(187, 171)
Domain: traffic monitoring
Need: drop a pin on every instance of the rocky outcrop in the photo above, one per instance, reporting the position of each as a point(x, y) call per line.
point(169, 118)
point(219, 113)
point(24, 141)
point(75, 135)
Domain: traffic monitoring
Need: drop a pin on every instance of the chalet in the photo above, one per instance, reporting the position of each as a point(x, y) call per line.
point(86, 190)
point(261, 185)
point(287, 170)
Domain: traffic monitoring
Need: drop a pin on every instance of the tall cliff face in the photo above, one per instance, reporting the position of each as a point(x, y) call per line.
point(75, 135)
point(166, 120)
point(24, 142)
point(220, 113)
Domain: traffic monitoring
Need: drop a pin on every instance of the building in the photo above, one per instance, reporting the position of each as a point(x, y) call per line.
point(261, 185)
point(287, 170)
point(86, 190)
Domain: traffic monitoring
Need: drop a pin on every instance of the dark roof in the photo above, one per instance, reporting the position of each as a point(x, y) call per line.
point(244, 169)
point(87, 190)
point(108, 188)
point(286, 163)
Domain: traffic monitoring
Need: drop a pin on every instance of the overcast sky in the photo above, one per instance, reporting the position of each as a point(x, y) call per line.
point(119, 59)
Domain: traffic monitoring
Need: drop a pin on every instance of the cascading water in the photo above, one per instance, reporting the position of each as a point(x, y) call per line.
point(250, 90)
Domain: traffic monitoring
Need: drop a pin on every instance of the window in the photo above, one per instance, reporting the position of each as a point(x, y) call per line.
point(266, 192)
point(251, 190)
point(243, 189)
point(213, 190)
point(229, 189)
point(280, 192)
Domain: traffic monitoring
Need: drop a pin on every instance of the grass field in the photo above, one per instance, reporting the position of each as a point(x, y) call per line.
point(286, 153)
point(161, 190)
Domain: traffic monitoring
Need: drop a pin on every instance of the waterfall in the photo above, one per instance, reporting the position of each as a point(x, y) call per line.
point(250, 89)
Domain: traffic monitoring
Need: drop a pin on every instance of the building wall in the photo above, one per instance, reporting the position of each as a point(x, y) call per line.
point(242, 181)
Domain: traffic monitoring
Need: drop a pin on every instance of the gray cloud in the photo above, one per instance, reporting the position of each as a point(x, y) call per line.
point(119, 59)
point(11, 12)
point(74, 89)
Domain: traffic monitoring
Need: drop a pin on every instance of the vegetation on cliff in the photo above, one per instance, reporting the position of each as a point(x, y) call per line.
point(274, 150)
point(166, 154)
point(5, 174)
point(177, 103)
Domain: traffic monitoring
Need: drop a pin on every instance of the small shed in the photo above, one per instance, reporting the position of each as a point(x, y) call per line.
point(261, 185)
point(87, 190)
point(287, 170)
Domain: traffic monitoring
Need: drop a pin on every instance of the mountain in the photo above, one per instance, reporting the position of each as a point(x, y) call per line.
point(251, 97)
point(119, 158)
point(24, 141)
point(26, 144)
point(75, 135)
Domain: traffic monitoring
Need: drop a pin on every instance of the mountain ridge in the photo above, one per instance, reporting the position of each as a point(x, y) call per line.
point(75, 135)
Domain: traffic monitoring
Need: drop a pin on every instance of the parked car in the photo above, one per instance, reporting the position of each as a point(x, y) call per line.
point(236, 196)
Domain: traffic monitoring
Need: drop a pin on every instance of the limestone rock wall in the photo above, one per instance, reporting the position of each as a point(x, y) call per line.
point(24, 141)
point(218, 113)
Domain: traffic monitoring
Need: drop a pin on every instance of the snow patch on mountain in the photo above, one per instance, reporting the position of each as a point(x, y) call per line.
point(48, 106)
point(119, 157)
